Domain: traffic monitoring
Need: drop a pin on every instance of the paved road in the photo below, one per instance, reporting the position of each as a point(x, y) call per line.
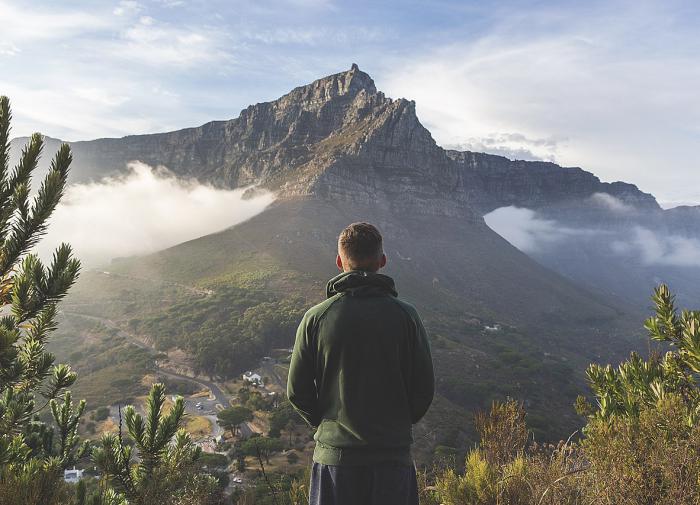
point(268, 368)
point(220, 396)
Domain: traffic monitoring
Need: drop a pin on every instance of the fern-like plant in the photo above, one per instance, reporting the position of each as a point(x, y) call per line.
point(638, 383)
point(30, 379)
point(161, 462)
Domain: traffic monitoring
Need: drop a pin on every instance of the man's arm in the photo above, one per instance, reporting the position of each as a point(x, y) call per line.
point(301, 386)
point(423, 380)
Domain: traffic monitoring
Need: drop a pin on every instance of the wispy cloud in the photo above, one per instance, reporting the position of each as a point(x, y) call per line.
point(536, 235)
point(610, 202)
point(157, 44)
point(654, 248)
point(616, 79)
point(528, 231)
point(144, 211)
point(515, 146)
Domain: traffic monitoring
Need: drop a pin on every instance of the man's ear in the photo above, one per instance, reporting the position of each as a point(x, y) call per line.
point(339, 262)
point(382, 261)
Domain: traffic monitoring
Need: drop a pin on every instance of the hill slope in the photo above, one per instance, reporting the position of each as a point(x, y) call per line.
point(338, 151)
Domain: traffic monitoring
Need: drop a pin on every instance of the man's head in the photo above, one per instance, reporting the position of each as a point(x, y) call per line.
point(360, 248)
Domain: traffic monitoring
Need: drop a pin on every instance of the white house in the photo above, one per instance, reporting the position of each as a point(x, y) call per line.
point(72, 476)
point(252, 378)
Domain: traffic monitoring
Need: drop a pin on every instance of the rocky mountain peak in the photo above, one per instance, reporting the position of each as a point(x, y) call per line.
point(343, 85)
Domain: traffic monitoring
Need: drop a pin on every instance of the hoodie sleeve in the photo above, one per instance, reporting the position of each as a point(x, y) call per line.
point(301, 385)
point(423, 379)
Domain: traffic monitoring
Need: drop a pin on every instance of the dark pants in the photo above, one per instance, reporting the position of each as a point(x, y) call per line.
point(380, 484)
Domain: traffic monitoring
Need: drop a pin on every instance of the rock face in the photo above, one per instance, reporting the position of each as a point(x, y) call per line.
point(341, 140)
point(494, 181)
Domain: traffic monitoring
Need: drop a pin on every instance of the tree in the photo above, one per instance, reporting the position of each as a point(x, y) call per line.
point(636, 383)
point(165, 465)
point(261, 446)
point(30, 380)
point(232, 417)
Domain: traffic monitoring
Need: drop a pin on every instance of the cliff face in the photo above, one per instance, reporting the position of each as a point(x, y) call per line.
point(495, 181)
point(340, 138)
point(342, 141)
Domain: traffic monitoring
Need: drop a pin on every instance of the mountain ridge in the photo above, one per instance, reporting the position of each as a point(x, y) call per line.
point(330, 112)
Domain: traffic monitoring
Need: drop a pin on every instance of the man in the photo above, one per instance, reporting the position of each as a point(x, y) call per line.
point(361, 374)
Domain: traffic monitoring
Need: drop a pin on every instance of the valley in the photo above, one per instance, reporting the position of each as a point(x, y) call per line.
point(506, 318)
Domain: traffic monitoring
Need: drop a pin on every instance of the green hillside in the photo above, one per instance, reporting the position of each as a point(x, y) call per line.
point(500, 324)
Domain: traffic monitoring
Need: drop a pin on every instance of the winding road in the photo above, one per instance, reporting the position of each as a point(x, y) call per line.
point(220, 401)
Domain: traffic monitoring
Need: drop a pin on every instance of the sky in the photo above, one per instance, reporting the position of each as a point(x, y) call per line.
point(609, 86)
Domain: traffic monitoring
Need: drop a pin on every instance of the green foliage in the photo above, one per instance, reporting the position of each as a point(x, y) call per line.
point(161, 464)
point(67, 418)
point(213, 460)
point(101, 414)
point(231, 417)
point(37, 482)
point(651, 458)
point(227, 330)
point(261, 447)
point(638, 383)
point(31, 457)
point(504, 470)
point(283, 417)
point(640, 445)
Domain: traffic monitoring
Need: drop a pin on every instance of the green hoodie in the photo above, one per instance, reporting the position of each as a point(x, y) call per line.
point(361, 371)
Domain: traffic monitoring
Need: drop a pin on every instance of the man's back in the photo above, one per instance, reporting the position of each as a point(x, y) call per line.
point(361, 371)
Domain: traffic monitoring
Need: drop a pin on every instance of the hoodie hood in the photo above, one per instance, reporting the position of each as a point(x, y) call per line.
point(361, 283)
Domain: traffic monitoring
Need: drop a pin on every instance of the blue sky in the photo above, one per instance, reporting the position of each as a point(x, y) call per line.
point(610, 86)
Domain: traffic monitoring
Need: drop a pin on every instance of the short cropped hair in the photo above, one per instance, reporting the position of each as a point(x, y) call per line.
point(361, 243)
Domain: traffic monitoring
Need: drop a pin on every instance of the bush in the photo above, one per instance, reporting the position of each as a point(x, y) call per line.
point(101, 414)
point(640, 445)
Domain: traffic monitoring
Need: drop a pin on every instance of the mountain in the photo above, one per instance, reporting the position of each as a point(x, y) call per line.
point(336, 151)
point(341, 139)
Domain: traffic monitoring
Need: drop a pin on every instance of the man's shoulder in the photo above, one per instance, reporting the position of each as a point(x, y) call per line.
point(408, 308)
point(318, 310)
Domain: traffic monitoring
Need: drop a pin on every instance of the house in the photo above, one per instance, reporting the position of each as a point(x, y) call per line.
point(72, 476)
point(252, 378)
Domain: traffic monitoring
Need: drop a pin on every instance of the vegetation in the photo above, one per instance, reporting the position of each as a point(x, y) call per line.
point(640, 445)
point(226, 331)
point(161, 465)
point(158, 462)
point(32, 454)
point(230, 418)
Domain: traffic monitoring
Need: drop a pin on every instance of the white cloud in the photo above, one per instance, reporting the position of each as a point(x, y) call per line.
point(611, 202)
point(8, 49)
point(535, 235)
point(617, 80)
point(515, 146)
point(141, 212)
point(655, 248)
point(21, 24)
point(127, 7)
point(526, 230)
point(160, 44)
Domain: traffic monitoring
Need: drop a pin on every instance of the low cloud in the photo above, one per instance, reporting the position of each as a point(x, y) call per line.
point(533, 234)
point(657, 249)
point(514, 146)
point(610, 202)
point(144, 211)
point(526, 230)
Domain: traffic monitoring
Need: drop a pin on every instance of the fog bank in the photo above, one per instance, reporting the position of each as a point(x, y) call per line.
point(143, 211)
point(533, 234)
